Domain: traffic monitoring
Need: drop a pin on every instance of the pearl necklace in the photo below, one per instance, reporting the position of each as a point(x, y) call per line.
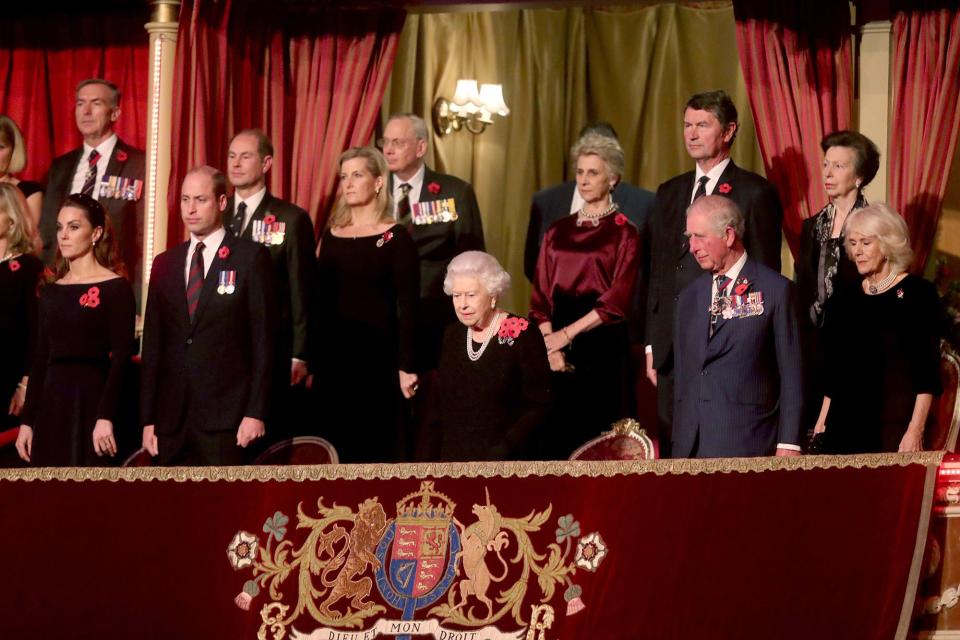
point(475, 355)
point(583, 216)
point(883, 285)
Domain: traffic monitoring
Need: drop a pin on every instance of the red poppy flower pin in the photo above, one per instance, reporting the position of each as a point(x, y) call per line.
point(725, 188)
point(121, 156)
point(742, 287)
point(269, 219)
point(385, 238)
point(224, 252)
point(91, 298)
point(14, 265)
point(434, 188)
point(620, 219)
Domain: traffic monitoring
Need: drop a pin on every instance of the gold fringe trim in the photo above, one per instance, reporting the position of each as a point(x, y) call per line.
point(423, 470)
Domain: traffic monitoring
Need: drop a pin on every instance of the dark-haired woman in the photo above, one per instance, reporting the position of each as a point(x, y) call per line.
point(84, 344)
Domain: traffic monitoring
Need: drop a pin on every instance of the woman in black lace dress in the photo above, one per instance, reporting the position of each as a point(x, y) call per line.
point(84, 344)
point(367, 286)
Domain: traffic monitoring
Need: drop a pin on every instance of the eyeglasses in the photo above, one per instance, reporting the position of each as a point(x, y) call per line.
point(396, 143)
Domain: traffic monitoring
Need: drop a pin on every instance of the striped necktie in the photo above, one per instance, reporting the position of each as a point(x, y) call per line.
point(90, 180)
point(195, 280)
point(722, 283)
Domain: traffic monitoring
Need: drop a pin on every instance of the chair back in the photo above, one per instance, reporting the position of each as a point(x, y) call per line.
point(944, 419)
point(299, 450)
point(625, 441)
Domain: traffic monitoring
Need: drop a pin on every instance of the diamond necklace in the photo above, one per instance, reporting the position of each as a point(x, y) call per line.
point(475, 355)
point(594, 218)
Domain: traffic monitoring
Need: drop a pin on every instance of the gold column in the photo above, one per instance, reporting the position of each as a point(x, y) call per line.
point(875, 97)
point(164, 21)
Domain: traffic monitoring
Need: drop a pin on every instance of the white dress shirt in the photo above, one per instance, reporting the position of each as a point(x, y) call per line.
point(105, 149)
point(211, 244)
point(416, 184)
point(252, 203)
point(713, 176)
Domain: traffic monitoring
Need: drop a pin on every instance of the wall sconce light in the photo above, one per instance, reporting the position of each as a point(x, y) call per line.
point(469, 109)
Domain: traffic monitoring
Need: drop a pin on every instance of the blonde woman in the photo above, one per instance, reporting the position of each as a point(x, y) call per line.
point(367, 289)
point(882, 343)
point(19, 275)
point(13, 159)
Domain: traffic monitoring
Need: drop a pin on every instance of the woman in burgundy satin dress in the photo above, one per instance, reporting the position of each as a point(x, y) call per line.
point(581, 296)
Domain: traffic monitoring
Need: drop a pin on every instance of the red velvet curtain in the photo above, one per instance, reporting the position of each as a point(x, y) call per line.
point(796, 62)
point(312, 79)
point(42, 58)
point(926, 116)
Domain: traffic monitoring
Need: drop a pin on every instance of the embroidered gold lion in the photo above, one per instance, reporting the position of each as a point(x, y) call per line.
point(353, 559)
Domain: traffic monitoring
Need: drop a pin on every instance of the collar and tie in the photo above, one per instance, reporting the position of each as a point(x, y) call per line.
point(195, 280)
point(90, 180)
point(722, 282)
point(701, 187)
point(403, 203)
point(236, 226)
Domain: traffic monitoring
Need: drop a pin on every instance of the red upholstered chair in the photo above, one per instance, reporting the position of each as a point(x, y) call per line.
point(625, 441)
point(301, 450)
point(944, 419)
point(139, 458)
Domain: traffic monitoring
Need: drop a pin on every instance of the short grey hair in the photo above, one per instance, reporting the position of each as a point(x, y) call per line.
point(480, 265)
point(880, 221)
point(723, 212)
point(112, 88)
point(605, 147)
point(418, 124)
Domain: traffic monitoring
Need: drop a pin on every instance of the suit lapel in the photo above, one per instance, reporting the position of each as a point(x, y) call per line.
point(259, 214)
point(115, 165)
point(680, 223)
point(428, 177)
point(747, 273)
point(210, 281)
point(179, 258)
point(727, 180)
point(701, 322)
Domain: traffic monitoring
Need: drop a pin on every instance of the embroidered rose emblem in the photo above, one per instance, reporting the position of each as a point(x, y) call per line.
point(591, 550)
point(269, 219)
point(620, 219)
point(14, 265)
point(434, 188)
point(385, 238)
point(725, 188)
point(121, 156)
point(742, 287)
point(91, 298)
point(242, 550)
point(224, 252)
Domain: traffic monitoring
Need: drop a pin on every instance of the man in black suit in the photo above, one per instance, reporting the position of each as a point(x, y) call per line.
point(739, 383)
point(105, 168)
point(709, 128)
point(443, 217)
point(286, 230)
point(209, 337)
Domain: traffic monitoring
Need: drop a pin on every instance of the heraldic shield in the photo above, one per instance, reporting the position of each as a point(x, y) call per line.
point(418, 551)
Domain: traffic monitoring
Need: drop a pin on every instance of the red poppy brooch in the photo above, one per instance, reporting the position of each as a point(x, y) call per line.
point(725, 188)
point(91, 298)
point(224, 252)
point(14, 265)
point(385, 238)
point(434, 188)
point(743, 285)
point(269, 219)
point(121, 156)
point(620, 219)
point(510, 329)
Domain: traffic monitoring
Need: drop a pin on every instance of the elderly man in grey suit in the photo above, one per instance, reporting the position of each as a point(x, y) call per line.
point(737, 353)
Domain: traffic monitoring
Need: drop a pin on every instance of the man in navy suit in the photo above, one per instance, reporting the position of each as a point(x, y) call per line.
point(105, 168)
point(736, 347)
point(209, 337)
point(709, 129)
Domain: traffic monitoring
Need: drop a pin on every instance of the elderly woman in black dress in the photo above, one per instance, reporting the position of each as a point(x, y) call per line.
point(850, 162)
point(582, 292)
point(84, 344)
point(493, 389)
point(19, 274)
point(882, 345)
point(13, 159)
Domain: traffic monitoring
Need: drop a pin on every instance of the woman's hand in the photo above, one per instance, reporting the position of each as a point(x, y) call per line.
point(25, 442)
point(556, 341)
point(912, 440)
point(17, 401)
point(409, 382)
point(103, 441)
point(558, 362)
